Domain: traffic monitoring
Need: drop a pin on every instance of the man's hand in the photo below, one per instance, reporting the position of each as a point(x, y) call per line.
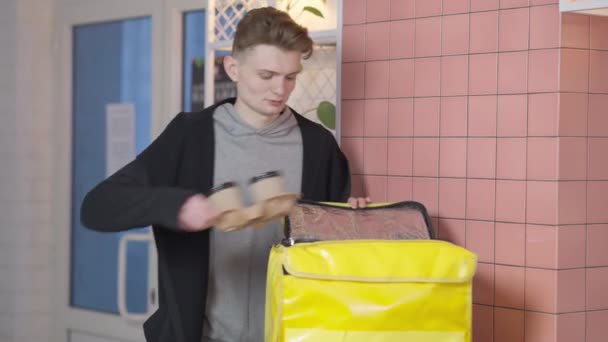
point(359, 202)
point(196, 214)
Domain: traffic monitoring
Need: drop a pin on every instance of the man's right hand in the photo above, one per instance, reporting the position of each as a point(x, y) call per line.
point(196, 214)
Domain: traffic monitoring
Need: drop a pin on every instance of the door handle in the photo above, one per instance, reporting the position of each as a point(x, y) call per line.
point(122, 278)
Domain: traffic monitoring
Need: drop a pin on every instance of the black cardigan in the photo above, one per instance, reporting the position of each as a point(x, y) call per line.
point(151, 189)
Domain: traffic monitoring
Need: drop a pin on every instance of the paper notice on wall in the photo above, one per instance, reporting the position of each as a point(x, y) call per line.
point(120, 135)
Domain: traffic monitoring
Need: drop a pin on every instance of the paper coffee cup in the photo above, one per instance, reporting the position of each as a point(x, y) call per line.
point(226, 197)
point(267, 185)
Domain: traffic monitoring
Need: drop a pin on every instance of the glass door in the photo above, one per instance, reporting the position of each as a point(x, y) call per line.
point(106, 113)
point(120, 79)
point(111, 124)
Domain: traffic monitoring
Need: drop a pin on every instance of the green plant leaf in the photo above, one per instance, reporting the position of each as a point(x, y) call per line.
point(326, 112)
point(313, 11)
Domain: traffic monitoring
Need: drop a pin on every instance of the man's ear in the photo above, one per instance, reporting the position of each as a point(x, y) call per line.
point(231, 65)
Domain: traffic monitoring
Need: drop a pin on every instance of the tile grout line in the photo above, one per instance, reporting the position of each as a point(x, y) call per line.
point(525, 218)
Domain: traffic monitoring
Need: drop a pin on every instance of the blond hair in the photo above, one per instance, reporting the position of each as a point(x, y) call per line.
point(270, 26)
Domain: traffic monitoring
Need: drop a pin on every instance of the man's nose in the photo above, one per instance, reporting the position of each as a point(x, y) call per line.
point(280, 86)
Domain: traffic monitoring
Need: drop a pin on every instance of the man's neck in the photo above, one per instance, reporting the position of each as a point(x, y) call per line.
point(253, 119)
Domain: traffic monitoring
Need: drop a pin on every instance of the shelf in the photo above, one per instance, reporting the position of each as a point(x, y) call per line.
point(592, 7)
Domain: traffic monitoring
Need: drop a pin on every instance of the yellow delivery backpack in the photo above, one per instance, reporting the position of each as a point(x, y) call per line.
point(371, 290)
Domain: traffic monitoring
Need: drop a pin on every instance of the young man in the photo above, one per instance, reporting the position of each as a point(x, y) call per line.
point(212, 283)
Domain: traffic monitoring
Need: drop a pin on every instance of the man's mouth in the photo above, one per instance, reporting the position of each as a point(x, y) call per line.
point(275, 103)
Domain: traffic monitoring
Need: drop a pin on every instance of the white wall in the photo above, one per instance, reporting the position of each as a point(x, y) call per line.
point(25, 171)
point(7, 169)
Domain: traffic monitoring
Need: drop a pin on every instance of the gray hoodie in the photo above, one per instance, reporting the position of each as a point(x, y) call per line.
point(238, 260)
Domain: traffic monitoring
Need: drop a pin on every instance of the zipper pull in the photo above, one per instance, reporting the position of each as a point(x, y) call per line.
point(288, 242)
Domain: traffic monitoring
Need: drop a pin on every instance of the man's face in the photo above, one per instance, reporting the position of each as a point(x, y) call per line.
point(265, 76)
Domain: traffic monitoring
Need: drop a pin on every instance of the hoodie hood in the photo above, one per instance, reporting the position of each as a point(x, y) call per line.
point(226, 117)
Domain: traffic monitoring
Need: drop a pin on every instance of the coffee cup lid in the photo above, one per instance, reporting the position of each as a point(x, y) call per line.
point(221, 187)
point(268, 174)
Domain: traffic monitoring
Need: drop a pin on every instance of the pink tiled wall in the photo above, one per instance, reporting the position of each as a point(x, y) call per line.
point(494, 114)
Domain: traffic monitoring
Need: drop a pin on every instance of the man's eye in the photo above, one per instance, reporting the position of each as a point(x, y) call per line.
point(291, 78)
point(266, 76)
